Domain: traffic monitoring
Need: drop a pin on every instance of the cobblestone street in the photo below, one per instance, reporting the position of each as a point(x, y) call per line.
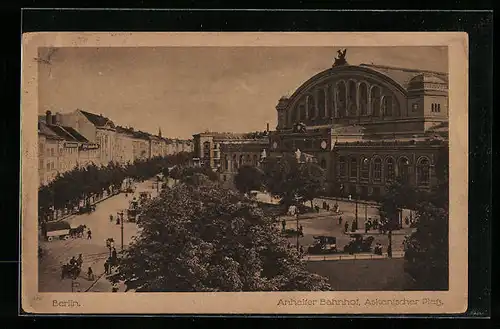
point(94, 251)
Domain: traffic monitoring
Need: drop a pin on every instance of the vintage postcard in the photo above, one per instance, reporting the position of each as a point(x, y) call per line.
point(256, 173)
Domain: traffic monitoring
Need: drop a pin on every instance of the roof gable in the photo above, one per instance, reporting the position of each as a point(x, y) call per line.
point(98, 120)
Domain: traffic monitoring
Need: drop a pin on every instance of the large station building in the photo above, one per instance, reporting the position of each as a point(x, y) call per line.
point(364, 124)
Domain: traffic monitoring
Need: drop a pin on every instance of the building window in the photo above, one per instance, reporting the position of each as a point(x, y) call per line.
point(435, 107)
point(255, 160)
point(365, 169)
point(323, 163)
point(342, 167)
point(52, 152)
point(248, 159)
point(423, 172)
point(206, 150)
point(387, 105)
point(353, 174)
point(241, 160)
point(226, 163)
point(403, 169)
point(377, 170)
point(224, 177)
point(48, 166)
point(391, 173)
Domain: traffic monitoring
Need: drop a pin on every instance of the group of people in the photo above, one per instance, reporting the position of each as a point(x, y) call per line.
point(76, 263)
point(354, 225)
point(369, 224)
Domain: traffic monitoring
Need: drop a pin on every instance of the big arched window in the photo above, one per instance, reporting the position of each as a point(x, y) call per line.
point(353, 168)
point(353, 108)
point(321, 103)
point(377, 170)
point(375, 101)
point(311, 107)
point(423, 172)
point(404, 168)
point(342, 167)
point(363, 99)
point(387, 105)
point(364, 169)
point(390, 169)
point(342, 98)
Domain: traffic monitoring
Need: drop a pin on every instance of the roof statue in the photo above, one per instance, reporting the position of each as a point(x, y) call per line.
point(340, 60)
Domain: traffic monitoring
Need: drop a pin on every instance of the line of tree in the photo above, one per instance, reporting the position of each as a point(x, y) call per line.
point(71, 188)
point(426, 249)
point(198, 236)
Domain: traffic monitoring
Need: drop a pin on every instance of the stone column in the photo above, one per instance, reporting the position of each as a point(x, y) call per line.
point(307, 107)
point(357, 100)
point(325, 93)
point(335, 112)
point(369, 102)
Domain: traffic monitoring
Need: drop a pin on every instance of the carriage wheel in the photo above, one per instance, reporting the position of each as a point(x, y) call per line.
point(66, 237)
point(50, 238)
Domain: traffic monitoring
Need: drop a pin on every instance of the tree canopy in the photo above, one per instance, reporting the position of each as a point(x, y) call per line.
point(205, 238)
point(292, 181)
point(249, 178)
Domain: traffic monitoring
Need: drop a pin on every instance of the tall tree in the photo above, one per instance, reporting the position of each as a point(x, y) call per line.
point(292, 181)
point(249, 178)
point(427, 249)
point(205, 238)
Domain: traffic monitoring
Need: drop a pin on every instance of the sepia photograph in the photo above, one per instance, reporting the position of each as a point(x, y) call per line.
point(315, 175)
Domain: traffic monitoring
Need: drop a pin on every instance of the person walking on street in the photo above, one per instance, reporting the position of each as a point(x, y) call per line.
point(340, 220)
point(111, 218)
point(106, 267)
point(90, 274)
point(89, 234)
point(114, 256)
point(346, 227)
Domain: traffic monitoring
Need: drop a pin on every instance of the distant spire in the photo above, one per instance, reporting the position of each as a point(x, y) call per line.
point(159, 132)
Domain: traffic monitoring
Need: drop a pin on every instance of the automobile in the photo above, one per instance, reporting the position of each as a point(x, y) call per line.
point(56, 230)
point(323, 245)
point(359, 244)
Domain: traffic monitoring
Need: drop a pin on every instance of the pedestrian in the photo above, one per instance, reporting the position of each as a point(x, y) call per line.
point(89, 234)
point(301, 231)
point(79, 261)
point(283, 224)
point(126, 195)
point(90, 274)
point(114, 255)
point(72, 261)
point(327, 207)
point(115, 287)
point(111, 218)
point(407, 221)
point(350, 197)
point(106, 267)
point(367, 227)
point(346, 227)
point(340, 220)
point(301, 249)
point(117, 220)
point(353, 226)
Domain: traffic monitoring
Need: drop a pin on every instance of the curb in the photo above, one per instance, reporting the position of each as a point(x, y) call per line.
point(75, 214)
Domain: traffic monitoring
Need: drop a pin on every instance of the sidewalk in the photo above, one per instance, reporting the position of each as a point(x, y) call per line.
point(68, 216)
point(336, 257)
point(404, 231)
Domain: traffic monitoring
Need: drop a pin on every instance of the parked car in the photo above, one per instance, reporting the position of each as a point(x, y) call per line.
point(323, 245)
point(359, 244)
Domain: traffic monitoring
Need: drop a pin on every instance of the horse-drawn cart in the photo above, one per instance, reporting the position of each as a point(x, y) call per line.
point(60, 230)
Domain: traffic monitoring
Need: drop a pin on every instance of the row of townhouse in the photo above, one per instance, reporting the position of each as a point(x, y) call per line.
point(79, 138)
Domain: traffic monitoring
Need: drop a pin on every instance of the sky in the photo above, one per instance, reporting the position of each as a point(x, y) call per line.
point(187, 90)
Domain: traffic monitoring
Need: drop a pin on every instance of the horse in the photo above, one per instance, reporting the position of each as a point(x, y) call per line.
point(71, 271)
point(77, 232)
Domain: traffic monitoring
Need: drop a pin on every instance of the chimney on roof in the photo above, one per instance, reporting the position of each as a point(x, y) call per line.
point(267, 128)
point(48, 117)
